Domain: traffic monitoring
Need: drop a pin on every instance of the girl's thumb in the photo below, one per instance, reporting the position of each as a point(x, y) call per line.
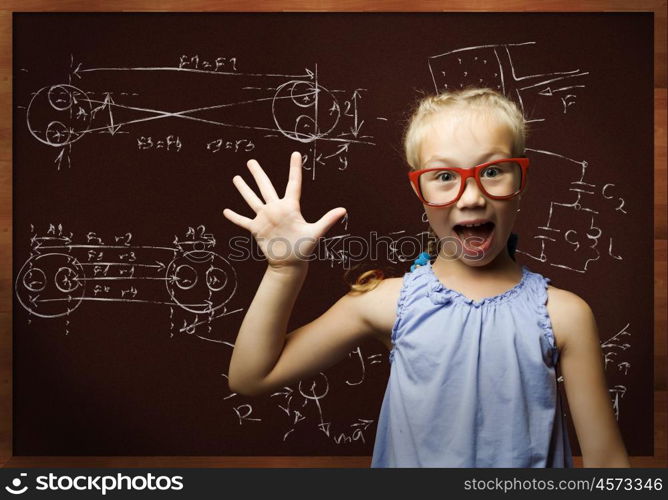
point(329, 219)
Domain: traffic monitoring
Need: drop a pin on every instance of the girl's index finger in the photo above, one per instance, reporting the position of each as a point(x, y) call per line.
point(294, 186)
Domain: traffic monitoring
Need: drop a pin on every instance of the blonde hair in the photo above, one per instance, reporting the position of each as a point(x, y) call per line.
point(489, 103)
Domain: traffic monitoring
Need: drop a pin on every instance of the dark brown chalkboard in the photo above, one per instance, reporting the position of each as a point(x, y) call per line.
point(128, 129)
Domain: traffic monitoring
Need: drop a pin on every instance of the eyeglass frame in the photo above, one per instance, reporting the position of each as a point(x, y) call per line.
point(465, 173)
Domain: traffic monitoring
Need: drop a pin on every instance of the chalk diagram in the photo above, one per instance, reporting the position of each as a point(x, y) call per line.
point(189, 277)
point(612, 348)
point(572, 230)
point(493, 66)
point(271, 105)
point(400, 247)
point(303, 408)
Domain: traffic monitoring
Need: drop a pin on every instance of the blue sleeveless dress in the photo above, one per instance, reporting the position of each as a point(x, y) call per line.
point(472, 383)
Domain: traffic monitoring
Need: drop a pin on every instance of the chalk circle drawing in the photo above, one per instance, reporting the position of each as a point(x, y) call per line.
point(59, 115)
point(214, 274)
point(316, 388)
point(49, 286)
point(304, 97)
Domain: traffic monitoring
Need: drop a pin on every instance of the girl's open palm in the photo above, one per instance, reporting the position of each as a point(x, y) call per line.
point(279, 228)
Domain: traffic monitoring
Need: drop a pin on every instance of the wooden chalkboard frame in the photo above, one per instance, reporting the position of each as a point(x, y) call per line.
point(658, 7)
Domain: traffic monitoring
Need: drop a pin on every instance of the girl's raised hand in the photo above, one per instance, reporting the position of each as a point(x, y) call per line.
point(279, 228)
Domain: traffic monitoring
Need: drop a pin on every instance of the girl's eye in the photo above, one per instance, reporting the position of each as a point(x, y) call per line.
point(444, 176)
point(493, 170)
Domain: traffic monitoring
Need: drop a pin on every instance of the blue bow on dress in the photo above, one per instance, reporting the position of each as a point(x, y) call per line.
point(422, 259)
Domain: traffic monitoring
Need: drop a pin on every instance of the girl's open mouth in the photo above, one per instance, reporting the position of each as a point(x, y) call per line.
point(475, 240)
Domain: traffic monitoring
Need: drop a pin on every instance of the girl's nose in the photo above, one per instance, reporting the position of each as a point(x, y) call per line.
point(472, 196)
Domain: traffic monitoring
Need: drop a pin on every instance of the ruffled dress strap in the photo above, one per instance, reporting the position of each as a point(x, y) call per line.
point(540, 287)
point(412, 280)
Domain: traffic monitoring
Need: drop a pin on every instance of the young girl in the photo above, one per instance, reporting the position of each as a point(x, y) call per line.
point(474, 337)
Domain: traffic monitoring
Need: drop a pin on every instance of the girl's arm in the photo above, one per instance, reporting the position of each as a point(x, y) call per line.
point(582, 367)
point(263, 357)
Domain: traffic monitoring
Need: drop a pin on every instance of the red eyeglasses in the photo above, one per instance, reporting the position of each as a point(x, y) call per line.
point(499, 180)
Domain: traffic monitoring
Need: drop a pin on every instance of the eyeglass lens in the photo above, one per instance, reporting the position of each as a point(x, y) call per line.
point(498, 179)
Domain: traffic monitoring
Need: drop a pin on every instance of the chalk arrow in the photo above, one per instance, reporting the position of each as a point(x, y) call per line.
point(324, 427)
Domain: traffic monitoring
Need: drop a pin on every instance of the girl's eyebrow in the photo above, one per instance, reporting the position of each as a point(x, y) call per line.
point(480, 161)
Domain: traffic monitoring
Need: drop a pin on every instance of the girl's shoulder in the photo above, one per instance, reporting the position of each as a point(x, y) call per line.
point(567, 311)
